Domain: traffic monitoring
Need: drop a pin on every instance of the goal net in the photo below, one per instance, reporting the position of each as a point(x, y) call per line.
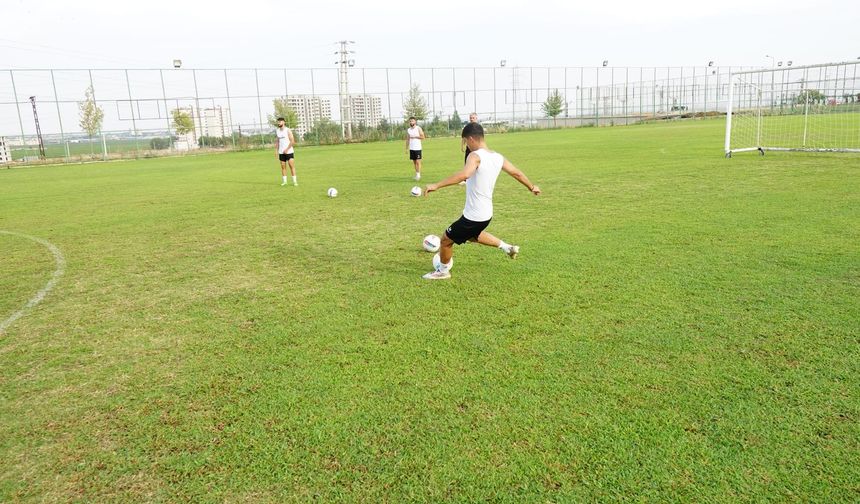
point(803, 108)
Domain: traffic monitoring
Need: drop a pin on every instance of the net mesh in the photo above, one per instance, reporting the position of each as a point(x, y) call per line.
point(815, 108)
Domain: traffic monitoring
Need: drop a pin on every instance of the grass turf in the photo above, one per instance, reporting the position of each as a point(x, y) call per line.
point(678, 327)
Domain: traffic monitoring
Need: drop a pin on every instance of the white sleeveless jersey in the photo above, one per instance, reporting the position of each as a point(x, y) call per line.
point(414, 143)
point(283, 140)
point(479, 187)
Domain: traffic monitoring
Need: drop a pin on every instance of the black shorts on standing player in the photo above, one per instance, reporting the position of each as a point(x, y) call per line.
point(414, 154)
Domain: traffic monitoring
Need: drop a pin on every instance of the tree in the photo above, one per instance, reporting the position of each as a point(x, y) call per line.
point(454, 122)
point(182, 122)
point(813, 95)
point(325, 131)
point(553, 106)
point(415, 104)
point(91, 115)
point(283, 109)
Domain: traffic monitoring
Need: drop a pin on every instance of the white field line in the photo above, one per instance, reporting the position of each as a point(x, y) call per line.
point(61, 268)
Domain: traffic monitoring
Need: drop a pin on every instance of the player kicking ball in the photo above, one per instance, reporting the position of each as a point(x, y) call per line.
point(480, 172)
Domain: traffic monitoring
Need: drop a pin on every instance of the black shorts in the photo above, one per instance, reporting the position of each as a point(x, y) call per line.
point(466, 158)
point(414, 154)
point(286, 157)
point(463, 230)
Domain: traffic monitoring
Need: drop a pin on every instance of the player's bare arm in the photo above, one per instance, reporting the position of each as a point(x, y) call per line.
point(516, 173)
point(292, 141)
point(468, 170)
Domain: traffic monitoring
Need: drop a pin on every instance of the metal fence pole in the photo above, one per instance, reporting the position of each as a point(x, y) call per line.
point(388, 94)
point(597, 97)
point(566, 114)
point(59, 114)
point(260, 105)
point(531, 93)
point(313, 100)
point(230, 104)
point(454, 83)
point(133, 122)
point(166, 112)
point(202, 138)
point(433, 90)
point(495, 112)
point(474, 90)
point(18, 109)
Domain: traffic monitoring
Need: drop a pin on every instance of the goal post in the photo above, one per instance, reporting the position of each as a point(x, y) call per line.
point(813, 108)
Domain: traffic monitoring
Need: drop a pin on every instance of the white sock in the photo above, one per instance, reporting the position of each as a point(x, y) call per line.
point(285, 179)
point(444, 268)
point(504, 246)
point(294, 179)
point(417, 176)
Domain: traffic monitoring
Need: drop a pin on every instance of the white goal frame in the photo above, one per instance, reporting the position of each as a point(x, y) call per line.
point(794, 109)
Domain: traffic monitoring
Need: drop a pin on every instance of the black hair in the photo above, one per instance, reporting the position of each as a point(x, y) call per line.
point(282, 119)
point(413, 117)
point(474, 130)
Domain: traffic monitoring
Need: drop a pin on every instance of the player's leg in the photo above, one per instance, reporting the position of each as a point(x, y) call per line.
point(417, 163)
point(292, 164)
point(446, 249)
point(486, 238)
point(284, 172)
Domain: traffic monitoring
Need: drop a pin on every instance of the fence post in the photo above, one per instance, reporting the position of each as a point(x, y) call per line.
point(495, 112)
point(59, 114)
point(230, 105)
point(18, 109)
point(388, 94)
point(260, 106)
point(133, 122)
point(166, 112)
point(474, 90)
point(202, 139)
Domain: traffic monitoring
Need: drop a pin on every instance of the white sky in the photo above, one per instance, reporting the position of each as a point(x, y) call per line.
point(268, 33)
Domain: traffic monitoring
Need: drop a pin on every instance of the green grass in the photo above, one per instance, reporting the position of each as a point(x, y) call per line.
point(678, 327)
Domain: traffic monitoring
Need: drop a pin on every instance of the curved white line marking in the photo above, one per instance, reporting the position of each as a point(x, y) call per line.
point(61, 267)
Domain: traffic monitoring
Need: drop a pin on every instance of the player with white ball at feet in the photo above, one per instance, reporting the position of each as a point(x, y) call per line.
point(480, 172)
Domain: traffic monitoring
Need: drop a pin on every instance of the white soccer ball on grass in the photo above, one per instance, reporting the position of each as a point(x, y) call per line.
point(432, 243)
point(332, 192)
point(416, 191)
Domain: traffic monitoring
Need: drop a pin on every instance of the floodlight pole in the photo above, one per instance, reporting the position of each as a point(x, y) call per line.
point(343, 88)
point(38, 129)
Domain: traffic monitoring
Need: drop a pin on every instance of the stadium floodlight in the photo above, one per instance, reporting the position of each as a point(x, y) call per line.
point(789, 63)
point(503, 63)
point(605, 62)
point(799, 108)
point(177, 63)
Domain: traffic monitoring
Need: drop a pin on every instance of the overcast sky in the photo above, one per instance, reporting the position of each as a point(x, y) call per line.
point(267, 33)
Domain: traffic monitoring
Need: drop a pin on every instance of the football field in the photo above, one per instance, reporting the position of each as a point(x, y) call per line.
point(678, 327)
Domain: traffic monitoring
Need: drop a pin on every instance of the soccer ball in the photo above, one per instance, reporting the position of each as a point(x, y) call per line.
point(437, 263)
point(332, 192)
point(431, 243)
point(416, 191)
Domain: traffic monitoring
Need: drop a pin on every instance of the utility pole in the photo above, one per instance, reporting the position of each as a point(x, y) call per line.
point(38, 129)
point(345, 63)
